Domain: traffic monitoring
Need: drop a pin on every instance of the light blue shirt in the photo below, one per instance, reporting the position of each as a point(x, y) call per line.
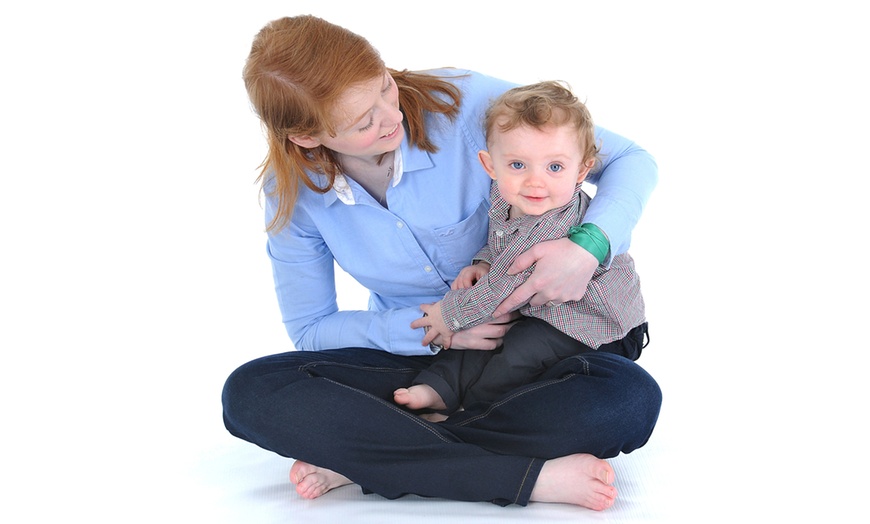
point(437, 220)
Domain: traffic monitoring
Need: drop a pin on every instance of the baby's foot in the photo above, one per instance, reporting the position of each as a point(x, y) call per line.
point(312, 481)
point(420, 396)
point(579, 479)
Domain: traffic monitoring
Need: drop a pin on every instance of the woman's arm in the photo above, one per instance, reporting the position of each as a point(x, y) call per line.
point(303, 269)
point(624, 182)
point(307, 299)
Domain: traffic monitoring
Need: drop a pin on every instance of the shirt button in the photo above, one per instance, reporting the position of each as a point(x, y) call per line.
point(400, 225)
point(499, 233)
point(456, 324)
point(428, 269)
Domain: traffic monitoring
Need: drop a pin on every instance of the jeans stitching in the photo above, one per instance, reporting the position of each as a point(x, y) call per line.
point(540, 385)
point(305, 367)
point(523, 483)
point(417, 420)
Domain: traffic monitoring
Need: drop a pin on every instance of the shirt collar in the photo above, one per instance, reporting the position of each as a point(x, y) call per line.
point(343, 191)
point(500, 210)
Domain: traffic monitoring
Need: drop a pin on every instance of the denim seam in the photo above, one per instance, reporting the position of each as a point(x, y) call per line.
point(305, 367)
point(499, 403)
point(417, 420)
point(523, 483)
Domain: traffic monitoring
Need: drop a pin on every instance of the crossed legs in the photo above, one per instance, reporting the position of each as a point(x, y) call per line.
point(333, 411)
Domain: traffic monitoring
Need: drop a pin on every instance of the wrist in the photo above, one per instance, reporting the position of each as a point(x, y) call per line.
point(591, 238)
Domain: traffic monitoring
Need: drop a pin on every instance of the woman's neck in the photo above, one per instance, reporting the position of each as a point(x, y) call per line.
point(366, 167)
point(373, 173)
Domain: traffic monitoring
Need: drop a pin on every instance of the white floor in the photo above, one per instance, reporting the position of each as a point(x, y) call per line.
point(727, 449)
point(134, 279)
point(250, 485)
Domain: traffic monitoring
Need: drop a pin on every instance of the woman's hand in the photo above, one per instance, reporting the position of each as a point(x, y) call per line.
point(482, 337)
point(562, 272)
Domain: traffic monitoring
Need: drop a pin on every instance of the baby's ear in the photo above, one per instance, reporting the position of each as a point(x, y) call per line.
point(486, 162)
point(306, 141)
point(585, 169)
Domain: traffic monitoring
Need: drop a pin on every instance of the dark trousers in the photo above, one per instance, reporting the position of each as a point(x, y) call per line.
point(473, 379)
point(334, 409)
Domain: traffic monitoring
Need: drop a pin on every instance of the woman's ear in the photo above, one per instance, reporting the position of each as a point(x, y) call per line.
point(306, 141)
point(486, 162)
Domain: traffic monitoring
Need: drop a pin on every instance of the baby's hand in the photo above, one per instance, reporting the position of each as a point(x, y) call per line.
point(469, 275)
point(433, 322)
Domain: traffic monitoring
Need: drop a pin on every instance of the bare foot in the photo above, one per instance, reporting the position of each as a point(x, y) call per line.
point(579, 479)
point(312, 481)
point(420, 396)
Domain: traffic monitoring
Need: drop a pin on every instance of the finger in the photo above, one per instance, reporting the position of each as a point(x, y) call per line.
point(500, 330)
point(520, 296)
point(430, 337)
point(492, 331)
point(505, 319)
point(522, 262)
point(539, 299)
point(422, 322)
point(487, 344)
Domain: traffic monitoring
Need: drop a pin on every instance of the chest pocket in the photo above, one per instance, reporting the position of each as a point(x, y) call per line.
point(458, 243)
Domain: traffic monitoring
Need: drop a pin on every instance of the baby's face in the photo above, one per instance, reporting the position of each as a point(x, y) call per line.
point(536, 169)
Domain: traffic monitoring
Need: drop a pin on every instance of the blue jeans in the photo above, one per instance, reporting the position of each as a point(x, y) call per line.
point(334, 409)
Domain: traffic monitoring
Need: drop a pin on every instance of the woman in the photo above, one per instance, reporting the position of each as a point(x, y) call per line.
point(377, 170)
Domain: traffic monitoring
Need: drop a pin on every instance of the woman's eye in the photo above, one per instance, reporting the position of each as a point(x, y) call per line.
point(517, 165)
point(555, 168)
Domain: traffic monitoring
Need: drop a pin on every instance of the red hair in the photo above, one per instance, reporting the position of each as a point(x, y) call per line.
point(296, 71)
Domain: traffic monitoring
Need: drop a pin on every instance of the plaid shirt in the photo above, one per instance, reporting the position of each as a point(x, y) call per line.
point(611, 307)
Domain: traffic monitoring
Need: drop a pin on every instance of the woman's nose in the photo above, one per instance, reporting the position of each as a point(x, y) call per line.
point(392, 115)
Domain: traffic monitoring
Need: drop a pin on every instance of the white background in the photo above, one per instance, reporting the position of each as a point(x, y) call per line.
point(134, 277)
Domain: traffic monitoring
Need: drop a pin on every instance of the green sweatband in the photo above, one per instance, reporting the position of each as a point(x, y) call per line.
point(592, 239)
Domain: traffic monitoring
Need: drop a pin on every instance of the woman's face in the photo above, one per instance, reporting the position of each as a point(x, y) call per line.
point(368, 120)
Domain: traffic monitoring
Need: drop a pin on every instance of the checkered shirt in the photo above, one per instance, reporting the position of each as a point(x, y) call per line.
point(611, 307)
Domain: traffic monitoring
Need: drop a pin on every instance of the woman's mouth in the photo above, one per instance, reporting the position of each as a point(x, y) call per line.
point(392, 132)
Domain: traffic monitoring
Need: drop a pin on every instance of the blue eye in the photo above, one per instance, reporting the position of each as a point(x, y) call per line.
point(517, 165)
point(555, 168)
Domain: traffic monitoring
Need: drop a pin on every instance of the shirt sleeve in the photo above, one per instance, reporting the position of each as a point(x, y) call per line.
point(303, 269)
point(466, 308)
point(623, 185)
point(484, 255)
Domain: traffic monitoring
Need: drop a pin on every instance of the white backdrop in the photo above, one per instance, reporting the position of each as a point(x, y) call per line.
point(134, 276)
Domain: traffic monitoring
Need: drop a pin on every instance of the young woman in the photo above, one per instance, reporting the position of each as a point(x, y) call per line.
point(377, 170)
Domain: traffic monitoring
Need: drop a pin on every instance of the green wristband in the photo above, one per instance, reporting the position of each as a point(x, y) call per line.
point(592, 239)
